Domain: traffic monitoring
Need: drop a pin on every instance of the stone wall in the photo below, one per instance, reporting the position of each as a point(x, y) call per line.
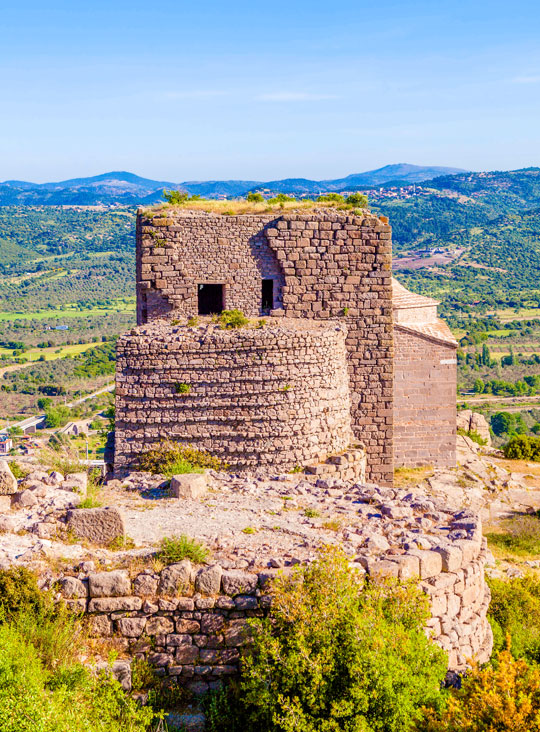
point(276, 395)
point(424, 399)
point(325, 264)
point(192, 621)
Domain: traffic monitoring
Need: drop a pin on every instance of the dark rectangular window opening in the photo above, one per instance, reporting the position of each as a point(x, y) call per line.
point(210, 299)
point(267, 295)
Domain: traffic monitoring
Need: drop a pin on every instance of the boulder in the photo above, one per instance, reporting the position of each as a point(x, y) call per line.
point(55, 478)
point(8, 482)
point(109, 584)
point(175, 578)
point(238, 582)
point(7, 524)
point(72, 588)
point(98, 525)
point(24, 499)
point(189, 486)
point(208, 580)
point(76, 482)
point(473, 422)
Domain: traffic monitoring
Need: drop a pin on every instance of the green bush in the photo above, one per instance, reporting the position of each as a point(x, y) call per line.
point(331, 197)
point(229, 319)
point(335, 656)
point(19, 592)
point(504, 696)
point(35, 697)
point(175, 197)
point(175, 548)
point(280, 198)
point(515, 611)
point(357, 199)
point(171, 458)
point(472, 435)
point(57, 416)
point(255, 198)
point(522, 447)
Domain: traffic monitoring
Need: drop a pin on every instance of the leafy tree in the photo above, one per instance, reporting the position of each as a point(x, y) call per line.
point(479, 386)
point(56, 416)
point(357, 199)
point(502, 423)
point(175, 197)
point(253, 197)
point(522, 447)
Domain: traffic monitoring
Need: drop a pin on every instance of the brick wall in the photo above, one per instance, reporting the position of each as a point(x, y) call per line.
point(324, 263)
point(424, 400)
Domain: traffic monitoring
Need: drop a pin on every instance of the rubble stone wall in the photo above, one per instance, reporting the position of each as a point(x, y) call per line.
point(276, 395)
point(424, 400)
point(193, 622)
point(325, 264)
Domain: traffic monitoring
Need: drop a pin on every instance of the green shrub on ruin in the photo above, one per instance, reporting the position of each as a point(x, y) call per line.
point(331, 197)
point(230, 319)
point(335, 655)
point(19, 592)
point(172, 458)
point(173, 549)
point(357, 199)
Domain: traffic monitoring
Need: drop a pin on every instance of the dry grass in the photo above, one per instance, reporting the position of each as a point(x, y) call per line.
point(233, 208)
point(404, 477)
point(526, 467)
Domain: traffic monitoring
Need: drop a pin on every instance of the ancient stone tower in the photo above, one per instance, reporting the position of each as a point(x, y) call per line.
point(318, 376)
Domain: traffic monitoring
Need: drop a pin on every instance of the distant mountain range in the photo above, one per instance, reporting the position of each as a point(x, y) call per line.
point(128, 188)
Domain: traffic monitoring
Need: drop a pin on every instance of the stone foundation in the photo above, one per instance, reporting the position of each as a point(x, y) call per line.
point(276, 395)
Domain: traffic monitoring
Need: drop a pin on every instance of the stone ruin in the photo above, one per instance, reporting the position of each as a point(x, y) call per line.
point(346, 357)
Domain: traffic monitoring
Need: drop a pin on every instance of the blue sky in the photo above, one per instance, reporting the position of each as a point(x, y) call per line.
point(177, 90)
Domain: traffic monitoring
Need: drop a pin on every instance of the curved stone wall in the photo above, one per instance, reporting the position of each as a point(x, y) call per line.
point(276, 395)
point(193, 621)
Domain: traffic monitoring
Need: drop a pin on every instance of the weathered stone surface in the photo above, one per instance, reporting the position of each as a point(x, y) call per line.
point(109, 584)
point(72, 587)
point(114, 604)
point(24, 499)
point(98, 525)
point(6, 524)
point(145, 585)
point(189, 486)
point(159, 625)
point(131, 627)
point(474, 422)
point(8, 482)
point(208, 580)
point(80, 479)
point(175, 578)
point(237, 582)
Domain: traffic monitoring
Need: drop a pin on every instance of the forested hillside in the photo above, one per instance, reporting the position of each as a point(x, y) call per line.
point(490, 225)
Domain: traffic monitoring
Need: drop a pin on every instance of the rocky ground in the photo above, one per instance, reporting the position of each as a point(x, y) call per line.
point(266, 520)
